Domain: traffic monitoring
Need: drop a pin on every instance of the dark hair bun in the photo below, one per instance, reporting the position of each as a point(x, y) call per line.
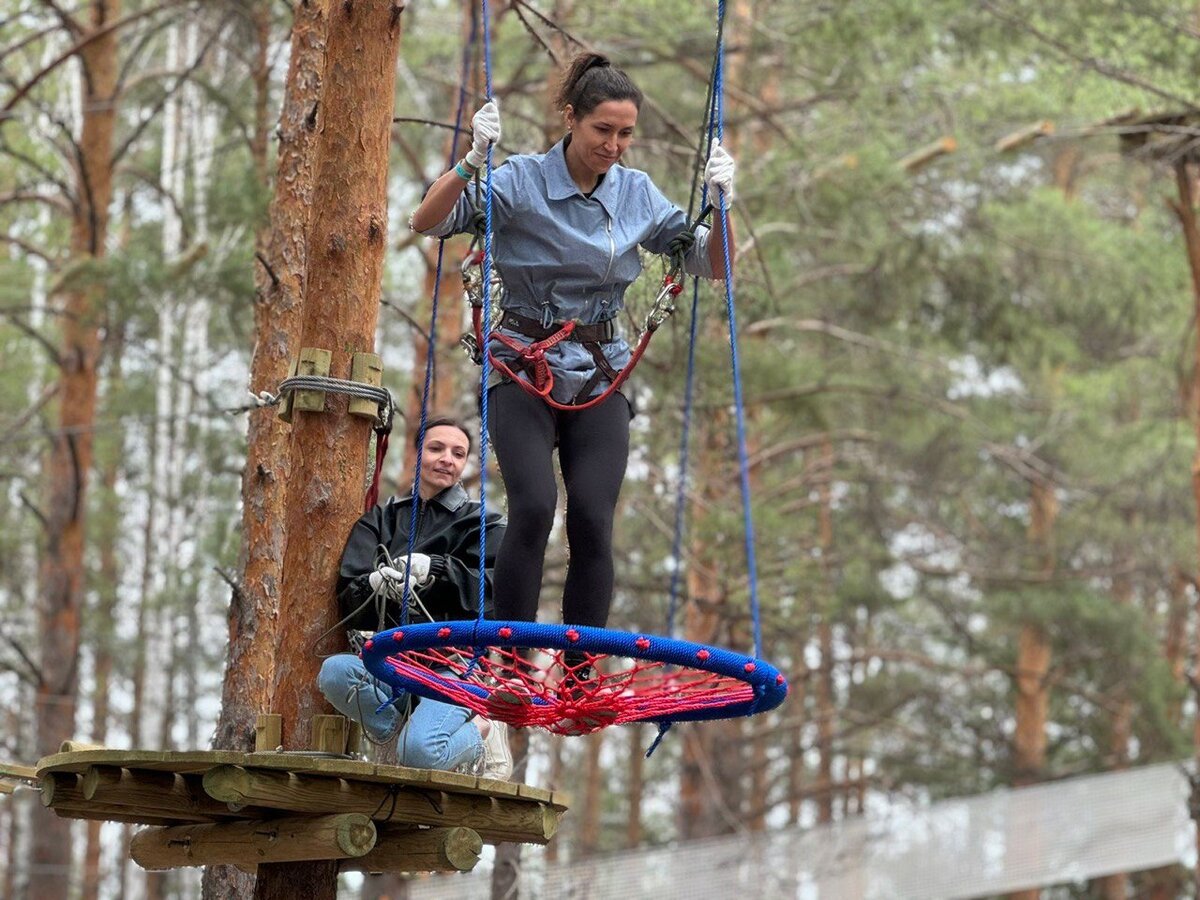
point(591, 80)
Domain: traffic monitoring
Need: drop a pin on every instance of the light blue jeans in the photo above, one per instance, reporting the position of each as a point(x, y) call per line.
point(436, 735)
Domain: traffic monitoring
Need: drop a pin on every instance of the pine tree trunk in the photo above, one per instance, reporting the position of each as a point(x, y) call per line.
point(1033, 664)
point(593, 796)
point(103, 617)
point(1185, 211)
point(61, 566)
point(635, 786)
point(279, 279)
point(554, 780)
point(506, 870)
point(798, 706)
point(1116, 886)
point(826, 712)
point(1174, 640)
point(343, 276)
point(700, 803)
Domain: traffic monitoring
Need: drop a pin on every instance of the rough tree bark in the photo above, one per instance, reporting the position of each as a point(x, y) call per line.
point(343, 274)
point(61, 564)
point(279, 279)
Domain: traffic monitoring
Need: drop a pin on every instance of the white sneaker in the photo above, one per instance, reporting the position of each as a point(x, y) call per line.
point(497, 759)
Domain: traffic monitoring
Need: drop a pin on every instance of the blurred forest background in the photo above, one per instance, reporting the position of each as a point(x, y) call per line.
point(968, 343)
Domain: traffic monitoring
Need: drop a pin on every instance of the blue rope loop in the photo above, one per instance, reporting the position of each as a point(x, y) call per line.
point(769, 686)
point(735, 363)
point(431, 349)
point(486, 325)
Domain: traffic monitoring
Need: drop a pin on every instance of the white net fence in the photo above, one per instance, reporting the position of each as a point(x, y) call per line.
point(1067, 831)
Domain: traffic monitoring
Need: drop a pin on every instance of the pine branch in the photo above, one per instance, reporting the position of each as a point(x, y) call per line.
point(26, 195)
point(65, 18)
point(37, 336)
point(74, 49)
point(169, 93)
point(28, 248)
point(33, 508)
point(1100, 66)
point(37, 167)
point(49, 392)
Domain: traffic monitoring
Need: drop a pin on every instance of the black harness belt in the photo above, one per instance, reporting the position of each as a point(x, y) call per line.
point(532, 328)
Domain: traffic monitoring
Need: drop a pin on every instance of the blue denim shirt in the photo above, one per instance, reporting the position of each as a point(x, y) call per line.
point(563, 256)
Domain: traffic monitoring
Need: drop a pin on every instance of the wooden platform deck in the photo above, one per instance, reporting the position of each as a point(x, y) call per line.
point(244, 808)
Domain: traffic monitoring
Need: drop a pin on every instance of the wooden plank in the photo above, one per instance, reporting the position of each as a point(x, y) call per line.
point(402, 849)
point(365, 368)
point(253, 842)
point(496, 819)
point(199, 761)
point(16, 772)
point(158, 793)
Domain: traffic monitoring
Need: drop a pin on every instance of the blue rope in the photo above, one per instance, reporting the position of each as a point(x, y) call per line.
point(743, 456)
point(689, 389)
point(684, 445)
point(431, 351)
point(486, 328)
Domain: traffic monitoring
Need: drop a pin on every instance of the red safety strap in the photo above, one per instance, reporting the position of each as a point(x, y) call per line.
point(534, 357)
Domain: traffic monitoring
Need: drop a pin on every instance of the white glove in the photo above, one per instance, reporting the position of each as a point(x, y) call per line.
point(418, 568)
point(391, 581)
point(485, 129)
point(718, 173)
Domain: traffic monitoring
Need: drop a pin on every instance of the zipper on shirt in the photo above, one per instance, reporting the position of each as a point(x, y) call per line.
point(612, 246)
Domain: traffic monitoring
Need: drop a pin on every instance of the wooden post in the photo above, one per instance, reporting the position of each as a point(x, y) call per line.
point(252, 843)
point(268, 733)
point(329, 734)
point(401, 849)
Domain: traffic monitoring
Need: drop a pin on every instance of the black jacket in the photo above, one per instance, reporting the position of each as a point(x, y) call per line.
point(448, 531)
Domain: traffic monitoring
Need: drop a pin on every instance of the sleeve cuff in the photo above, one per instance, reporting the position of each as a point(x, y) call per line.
point(437, 565)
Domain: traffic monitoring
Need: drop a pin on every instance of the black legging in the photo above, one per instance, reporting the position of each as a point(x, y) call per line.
point(593, 448)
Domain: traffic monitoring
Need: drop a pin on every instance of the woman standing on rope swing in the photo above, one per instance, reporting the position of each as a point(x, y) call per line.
point(567, 225)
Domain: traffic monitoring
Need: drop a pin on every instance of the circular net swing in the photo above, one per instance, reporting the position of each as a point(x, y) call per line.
point(577, 679)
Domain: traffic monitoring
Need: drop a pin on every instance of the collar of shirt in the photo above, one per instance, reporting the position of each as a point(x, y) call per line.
point(452, 498)
point(560, 185)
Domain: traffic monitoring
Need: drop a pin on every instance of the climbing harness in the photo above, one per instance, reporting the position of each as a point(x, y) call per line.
point(530, 357)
